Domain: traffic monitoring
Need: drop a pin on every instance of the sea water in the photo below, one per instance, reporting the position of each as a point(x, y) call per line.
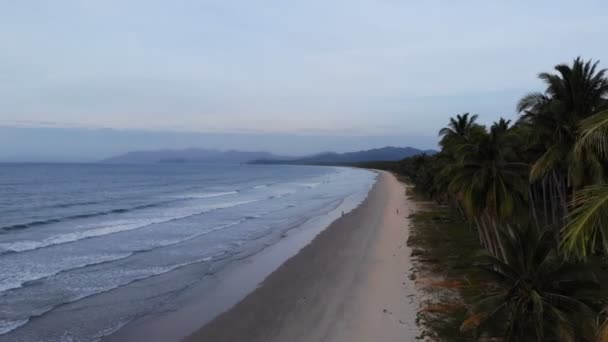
point(86, 248)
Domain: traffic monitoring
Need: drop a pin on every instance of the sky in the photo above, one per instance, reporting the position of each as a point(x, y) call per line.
point(286, 76)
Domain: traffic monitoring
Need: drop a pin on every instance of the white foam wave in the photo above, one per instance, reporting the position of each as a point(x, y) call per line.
point(208, 194)
point(8, 325)
point(109, 228)
point(19, 278)
point(310, 185)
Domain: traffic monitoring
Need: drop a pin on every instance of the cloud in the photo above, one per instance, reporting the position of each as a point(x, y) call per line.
point(347, 67)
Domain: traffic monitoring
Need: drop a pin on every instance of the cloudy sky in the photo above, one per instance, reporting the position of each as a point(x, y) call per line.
point(335, 69)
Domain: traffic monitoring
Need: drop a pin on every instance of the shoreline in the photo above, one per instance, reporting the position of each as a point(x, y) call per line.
point(351, 283)
point(222, 290)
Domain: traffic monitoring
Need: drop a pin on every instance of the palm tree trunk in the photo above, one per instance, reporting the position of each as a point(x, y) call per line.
point(561, 188)
point(491, 234)
point(533, 205)
point(480, 231)
point(489, 243)
point(492, 243)
point(565, 199)
point(500, 250)
point(552, 199)
point(462, 215)
point(544, 190)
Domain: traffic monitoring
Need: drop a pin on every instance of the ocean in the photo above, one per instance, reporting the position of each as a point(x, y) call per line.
point(87, 248)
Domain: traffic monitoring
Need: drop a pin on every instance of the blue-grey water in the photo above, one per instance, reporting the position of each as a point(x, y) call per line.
point(85, 248)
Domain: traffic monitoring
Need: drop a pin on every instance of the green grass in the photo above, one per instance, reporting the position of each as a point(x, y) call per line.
point(444, 248)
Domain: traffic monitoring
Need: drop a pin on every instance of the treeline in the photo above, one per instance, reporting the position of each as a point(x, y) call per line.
point(535, 190)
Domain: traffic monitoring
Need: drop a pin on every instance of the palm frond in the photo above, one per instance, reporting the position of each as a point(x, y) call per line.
point(602, 335)
point(498, 269)
point(594, 134)
point(532, 101)
point(484, 310)
point(545, 163)
point(588, 220)
point(568, 304)
point(564, 325)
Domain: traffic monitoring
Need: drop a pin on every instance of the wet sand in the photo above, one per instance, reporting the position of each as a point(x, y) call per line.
point(351, 283)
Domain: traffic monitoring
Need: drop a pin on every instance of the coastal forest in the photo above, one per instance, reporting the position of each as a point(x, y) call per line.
point(535, 192)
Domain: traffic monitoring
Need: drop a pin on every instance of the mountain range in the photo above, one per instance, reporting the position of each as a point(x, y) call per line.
point(196, 155)
point(190, 155)
point(388, 153)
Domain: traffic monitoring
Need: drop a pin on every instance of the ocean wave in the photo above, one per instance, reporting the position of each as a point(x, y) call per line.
point(72, 204)
point(311, 185)
point(147, 272)
point(280, 194)
point(207, 194)
point(10, 325)
point(56, 206)
point(79, 216)
point(25, 279)
point(108, 229)
point(7, 326)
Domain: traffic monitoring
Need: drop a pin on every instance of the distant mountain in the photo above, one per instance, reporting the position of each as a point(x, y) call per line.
point(388, 153)
point(191, 155)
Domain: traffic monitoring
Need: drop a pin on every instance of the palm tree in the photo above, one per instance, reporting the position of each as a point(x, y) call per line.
point(537, 296)
point(491, 183)
point(460, 130)
point(578, 91)
point(573, 94)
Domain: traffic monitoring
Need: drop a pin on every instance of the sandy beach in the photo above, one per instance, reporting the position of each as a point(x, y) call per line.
point(350, 284)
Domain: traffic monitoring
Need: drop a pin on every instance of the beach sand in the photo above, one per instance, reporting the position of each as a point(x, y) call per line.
point(350, 284)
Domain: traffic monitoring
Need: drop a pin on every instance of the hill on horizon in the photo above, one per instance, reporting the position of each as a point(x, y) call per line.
point(388, 153)
point(200, 155)
point(189, 155)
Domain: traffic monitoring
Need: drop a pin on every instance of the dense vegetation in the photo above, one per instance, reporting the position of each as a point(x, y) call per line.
point(536, 192)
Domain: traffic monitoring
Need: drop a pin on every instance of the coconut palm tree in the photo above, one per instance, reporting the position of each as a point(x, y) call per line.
point(578, 91)
point(490, 175)
point(459, 130)
point(573, 94)
point(537, 296)
point(491, 182)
